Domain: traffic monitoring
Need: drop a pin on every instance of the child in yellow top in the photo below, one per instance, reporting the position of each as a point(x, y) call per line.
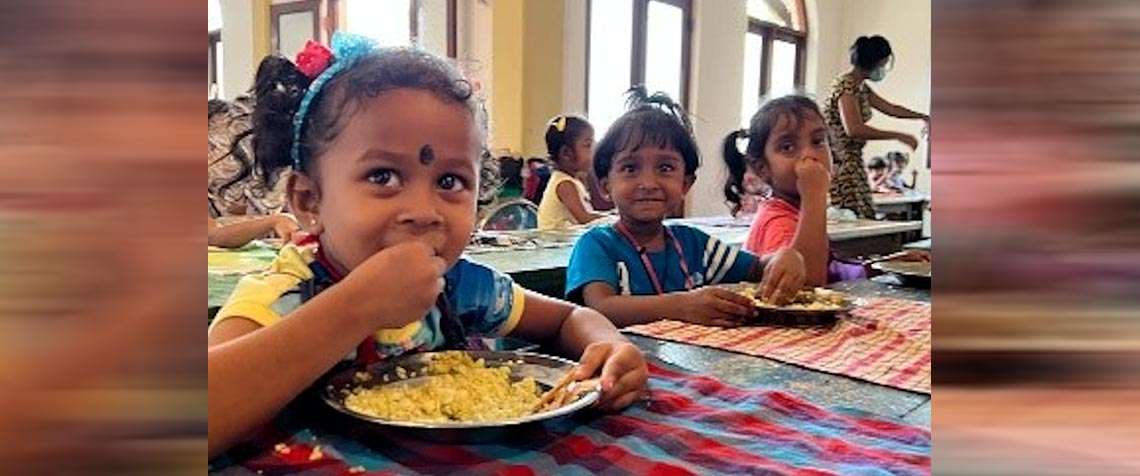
point(385, 148)
point(566, 202)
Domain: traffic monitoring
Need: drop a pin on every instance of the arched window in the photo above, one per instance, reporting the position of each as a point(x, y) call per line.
point(775, 51)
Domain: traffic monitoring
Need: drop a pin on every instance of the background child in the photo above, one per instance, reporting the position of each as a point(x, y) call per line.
point(640, 270)
point(566, 202)
point(238, 234)
point(385, 147)
point(898, 162)
point(877, 173)
point(787, 147)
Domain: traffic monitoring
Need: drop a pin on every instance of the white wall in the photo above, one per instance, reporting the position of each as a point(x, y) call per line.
point(237, 47)
point(574, 58)
point(827, 50)
point(433, 26)
point(474, 46)
point(716, 80)
point(908, 84)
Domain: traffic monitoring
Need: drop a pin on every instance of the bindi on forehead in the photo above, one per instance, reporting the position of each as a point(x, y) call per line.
point(427, 155)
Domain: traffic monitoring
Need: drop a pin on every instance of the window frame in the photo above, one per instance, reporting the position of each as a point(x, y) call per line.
point(769, 33)
point(451, 22)
point(215, 37)
point(276, 10)
point(640, 26)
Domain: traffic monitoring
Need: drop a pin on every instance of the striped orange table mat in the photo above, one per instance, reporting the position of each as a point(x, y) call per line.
point(887, 342)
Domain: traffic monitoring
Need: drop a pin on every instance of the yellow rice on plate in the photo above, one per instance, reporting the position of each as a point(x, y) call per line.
point(457, 388)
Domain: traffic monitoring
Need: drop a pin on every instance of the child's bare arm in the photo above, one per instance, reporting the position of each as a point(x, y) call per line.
point(813, 180)
point(570, 198)
point(708, 305)
point(253, 371)
point(236, 235)
point(589, 336)
point(781, 275)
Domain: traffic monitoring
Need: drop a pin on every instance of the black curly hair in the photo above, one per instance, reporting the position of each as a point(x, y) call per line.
point(279, 87)
point(796, 106)
point(649, 119)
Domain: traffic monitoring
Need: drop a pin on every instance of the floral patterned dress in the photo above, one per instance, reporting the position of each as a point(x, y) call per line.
point(849, 186)
point(233, 186)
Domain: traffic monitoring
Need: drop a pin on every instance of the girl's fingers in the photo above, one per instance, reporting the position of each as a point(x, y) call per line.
point(770, 288)
point(591, 360)
point(788, 286)
point(631, 382)
point(732, 308)
point(728, 295)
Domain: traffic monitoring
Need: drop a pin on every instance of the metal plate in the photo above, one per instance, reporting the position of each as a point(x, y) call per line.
point(793, 317)
point(545, 369)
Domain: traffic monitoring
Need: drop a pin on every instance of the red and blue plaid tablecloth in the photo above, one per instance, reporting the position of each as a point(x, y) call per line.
point(687, 425)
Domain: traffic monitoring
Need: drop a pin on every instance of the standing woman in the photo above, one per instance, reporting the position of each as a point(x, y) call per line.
point(847, 110)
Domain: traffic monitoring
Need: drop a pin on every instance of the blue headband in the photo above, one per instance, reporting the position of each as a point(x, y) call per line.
point(347, 49)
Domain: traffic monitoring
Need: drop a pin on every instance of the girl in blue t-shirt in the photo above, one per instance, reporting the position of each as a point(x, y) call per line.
point(639, 269)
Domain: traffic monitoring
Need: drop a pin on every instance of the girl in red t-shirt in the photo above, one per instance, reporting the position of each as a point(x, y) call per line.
point(787, 148)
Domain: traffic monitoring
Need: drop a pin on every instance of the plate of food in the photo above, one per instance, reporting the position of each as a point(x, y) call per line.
point(460, 395)
point(809, 307)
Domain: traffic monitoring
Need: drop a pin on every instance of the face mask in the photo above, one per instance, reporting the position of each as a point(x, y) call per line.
point(877, 74)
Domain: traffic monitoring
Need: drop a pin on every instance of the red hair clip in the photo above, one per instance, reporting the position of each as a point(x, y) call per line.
point(314, 59)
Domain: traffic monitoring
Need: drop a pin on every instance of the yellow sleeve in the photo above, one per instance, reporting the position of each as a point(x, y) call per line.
point(255, 294)
point(518, 304)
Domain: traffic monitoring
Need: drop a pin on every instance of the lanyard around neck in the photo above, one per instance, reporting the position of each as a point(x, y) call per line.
point(644, 254)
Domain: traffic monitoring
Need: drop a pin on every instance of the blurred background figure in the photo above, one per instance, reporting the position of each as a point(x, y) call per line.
point(878, 171)
point(897, 163)
point(100, 216)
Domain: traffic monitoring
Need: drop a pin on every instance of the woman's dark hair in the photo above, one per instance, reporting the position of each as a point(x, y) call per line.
point(877, 163)
point(649, 119)
point(869, 51)
point(795, 106)
point(564, 131)
point(279, 87)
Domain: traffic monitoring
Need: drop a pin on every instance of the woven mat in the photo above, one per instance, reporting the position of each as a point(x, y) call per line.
point(886, 342)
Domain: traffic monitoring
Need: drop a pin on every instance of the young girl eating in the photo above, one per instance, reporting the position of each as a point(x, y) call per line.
point(570, 145)
point(787, 148)
point(639, 269)
point(385, 148)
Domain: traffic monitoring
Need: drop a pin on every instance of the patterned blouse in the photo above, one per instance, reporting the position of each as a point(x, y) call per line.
point(233, 186)
point(849, 186)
